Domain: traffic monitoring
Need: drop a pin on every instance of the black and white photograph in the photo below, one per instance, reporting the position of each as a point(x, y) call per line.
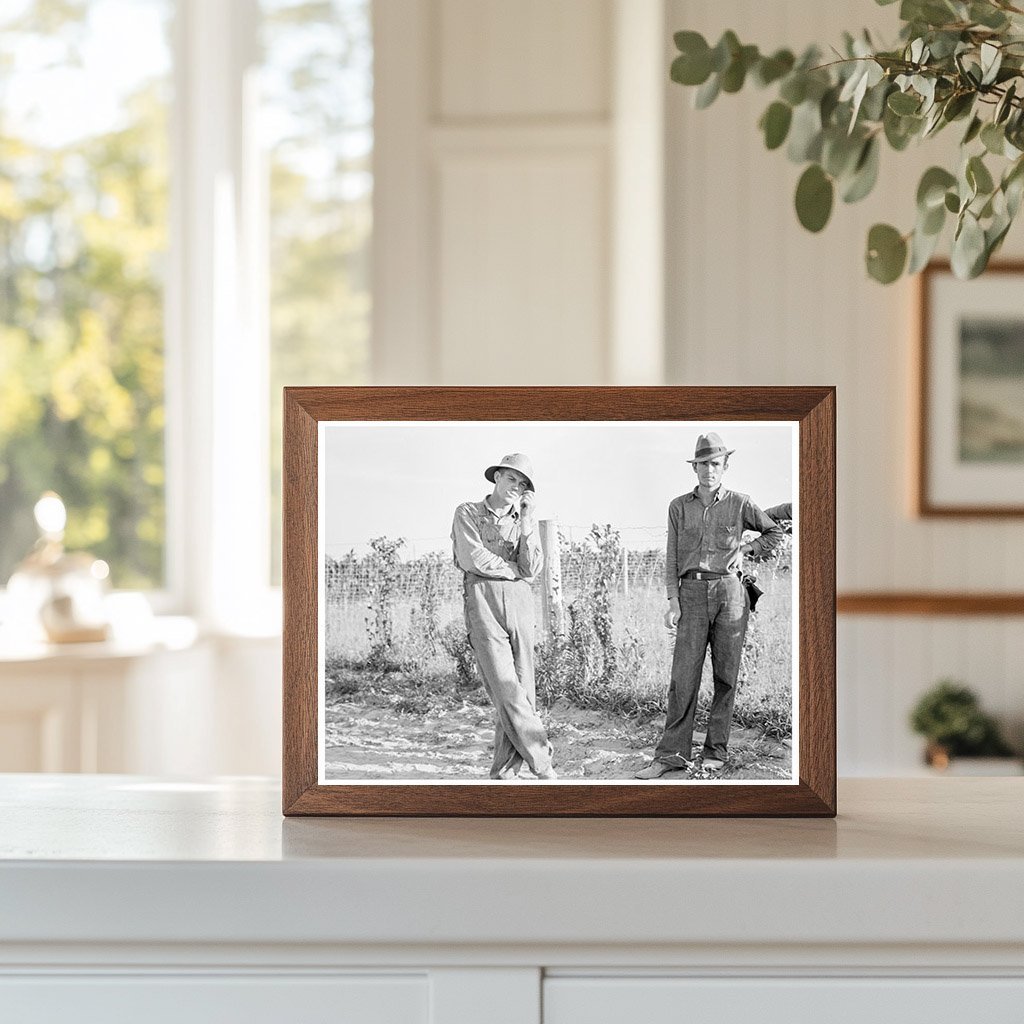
point(518, 603)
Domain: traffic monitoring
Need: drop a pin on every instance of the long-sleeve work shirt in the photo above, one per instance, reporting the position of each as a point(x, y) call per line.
point(710, 538)
point(493, 546)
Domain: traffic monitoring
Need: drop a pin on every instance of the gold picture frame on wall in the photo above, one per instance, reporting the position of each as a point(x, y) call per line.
point(969, 448)
point(356, 460)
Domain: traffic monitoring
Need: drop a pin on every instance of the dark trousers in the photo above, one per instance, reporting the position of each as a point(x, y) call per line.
point(715, 612)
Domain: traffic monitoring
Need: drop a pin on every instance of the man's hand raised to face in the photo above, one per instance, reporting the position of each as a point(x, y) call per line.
point(527, 512)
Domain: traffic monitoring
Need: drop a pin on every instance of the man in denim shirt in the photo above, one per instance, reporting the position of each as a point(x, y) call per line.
point(497, 545)
point(707, 604)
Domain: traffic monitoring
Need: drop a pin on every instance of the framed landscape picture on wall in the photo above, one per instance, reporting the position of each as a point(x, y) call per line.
point(970, 445)
point(559, 601)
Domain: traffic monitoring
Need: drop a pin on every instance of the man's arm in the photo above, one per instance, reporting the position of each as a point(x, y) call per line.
point(771, 533)
point(672, 566)
point(529, 554)
point(671, 555)
point(471, 554)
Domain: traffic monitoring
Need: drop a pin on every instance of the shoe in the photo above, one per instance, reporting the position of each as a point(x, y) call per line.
point(712, 764)
point(661, 765)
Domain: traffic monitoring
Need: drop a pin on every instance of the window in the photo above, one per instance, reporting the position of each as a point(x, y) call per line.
point(83, 237)
point(167, 264)
point(317, 117)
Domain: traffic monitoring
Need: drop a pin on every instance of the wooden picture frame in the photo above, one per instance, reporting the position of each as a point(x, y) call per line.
point(808, 413)
point(967, 464)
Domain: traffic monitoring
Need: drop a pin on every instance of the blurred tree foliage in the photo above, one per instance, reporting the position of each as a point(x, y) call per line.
point(82, 230)
point(318, 81)
point(83, 234)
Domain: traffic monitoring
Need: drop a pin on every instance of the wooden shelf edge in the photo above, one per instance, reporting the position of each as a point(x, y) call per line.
point(928, 603)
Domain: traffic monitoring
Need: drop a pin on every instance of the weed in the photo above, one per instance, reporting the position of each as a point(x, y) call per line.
point(455, 642)
point(380, 620)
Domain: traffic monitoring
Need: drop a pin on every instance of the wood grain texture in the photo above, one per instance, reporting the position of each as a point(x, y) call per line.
point(923, 504)
point(812, 407)
point(299, 597)
point(925, 603)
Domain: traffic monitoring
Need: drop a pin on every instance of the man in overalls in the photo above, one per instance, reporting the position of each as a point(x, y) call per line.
point(707, 603)
point(496, 543)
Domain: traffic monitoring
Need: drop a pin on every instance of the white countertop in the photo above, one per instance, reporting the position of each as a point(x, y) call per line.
point(124, 859)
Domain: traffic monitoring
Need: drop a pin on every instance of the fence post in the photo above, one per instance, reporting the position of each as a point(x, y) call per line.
point(625, 571)
point(553, 612)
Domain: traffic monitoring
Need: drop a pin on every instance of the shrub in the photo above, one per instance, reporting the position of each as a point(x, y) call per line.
point(949, 716)
point(380, 620)
point(455, 642)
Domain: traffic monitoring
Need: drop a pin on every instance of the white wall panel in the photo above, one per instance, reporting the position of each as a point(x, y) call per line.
point(752, 298)
point(518, 277)
point(531, 58)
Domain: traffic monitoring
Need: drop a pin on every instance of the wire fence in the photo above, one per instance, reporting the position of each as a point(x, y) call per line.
point(352, 577)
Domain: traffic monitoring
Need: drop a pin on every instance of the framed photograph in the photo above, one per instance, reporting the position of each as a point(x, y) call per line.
point(559, 601)
point(970, 445)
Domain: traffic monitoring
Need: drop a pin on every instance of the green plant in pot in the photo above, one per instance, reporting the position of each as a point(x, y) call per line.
point(957, 62)
point(950, 718)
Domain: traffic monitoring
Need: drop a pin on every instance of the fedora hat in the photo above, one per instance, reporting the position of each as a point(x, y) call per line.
point(520, 463)
point(709, 446)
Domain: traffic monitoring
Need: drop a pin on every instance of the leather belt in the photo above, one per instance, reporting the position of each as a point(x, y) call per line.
point(700, 574)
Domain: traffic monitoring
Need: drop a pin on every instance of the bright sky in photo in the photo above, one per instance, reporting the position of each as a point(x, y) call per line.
point(405, 479)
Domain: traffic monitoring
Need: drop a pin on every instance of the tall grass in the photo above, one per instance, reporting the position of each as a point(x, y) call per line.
point(423, 669)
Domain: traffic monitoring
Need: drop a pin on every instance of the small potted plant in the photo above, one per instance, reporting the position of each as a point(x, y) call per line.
point(951, 719)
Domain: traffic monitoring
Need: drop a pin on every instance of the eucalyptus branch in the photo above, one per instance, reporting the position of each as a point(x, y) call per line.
point(833, 117)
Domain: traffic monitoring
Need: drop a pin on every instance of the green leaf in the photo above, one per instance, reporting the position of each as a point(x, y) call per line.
point(805, 133)
point(1013, 186)
point(931, 191)
point(991, 60)
point(887, 253)
point(972, 131)
point(1003, 107)
point(865, 174)
point(993, 138)
point(904, 103)
point(725, 51)
point(794, 89)
point(693, 65)
point(873, 106)
point(771, 69)
point(931, 12)
point(958, 105)
point(922, 248)
point(839, 151)
point(775, 124)
point(707, 93)
point(814, 194)
point(900, 130)
point(931, 222)
point(952, 202)
point(687, 71)
point(968, 256)
point(736, 73)
point(987, 15)
point(978, 176)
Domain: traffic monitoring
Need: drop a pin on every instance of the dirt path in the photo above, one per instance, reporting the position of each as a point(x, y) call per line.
point(388, 744)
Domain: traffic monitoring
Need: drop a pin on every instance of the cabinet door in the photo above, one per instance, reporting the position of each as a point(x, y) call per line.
point(783, 1000)
point(206, 999)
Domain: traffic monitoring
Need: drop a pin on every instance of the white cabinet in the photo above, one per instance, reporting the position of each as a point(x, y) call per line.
point(100, 707)
point(201, 999)
point(823, 1000)
point(131, 898)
